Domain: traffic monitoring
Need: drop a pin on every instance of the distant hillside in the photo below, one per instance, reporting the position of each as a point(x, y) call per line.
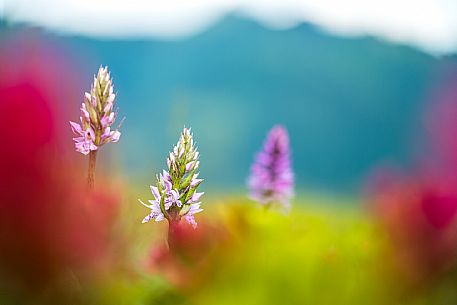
point(348, 102)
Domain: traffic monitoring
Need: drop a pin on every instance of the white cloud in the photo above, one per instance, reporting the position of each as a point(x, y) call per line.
point(2, 5)
point(428, 24)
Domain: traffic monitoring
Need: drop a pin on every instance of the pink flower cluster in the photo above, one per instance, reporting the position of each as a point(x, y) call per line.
point(97, 116)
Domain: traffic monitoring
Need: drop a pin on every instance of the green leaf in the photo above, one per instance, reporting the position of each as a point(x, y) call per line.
point(184, 209)
point(186, 182)
point(190, 193)
point(162, 206)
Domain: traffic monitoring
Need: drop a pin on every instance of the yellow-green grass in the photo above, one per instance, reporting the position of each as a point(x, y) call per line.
point(325, 251)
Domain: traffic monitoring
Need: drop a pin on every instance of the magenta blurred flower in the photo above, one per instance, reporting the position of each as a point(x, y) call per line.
point(272, 180)
point(97, 116)
point(419, 215)
point(175, 195)
point(50, 229)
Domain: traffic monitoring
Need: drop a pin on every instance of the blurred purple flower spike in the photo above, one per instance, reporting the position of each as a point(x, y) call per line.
point(272, 180)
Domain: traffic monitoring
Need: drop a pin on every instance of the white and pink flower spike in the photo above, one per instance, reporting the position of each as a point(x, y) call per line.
point(175, 195)
point(97, 116)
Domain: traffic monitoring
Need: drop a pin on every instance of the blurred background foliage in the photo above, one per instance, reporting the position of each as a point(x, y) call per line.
point(348, 102)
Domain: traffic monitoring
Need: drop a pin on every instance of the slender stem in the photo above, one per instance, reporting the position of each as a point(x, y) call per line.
point(172, 232)
point(91, 172)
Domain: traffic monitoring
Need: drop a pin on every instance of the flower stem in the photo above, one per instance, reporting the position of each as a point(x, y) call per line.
point(91, 172)
point(172, 232)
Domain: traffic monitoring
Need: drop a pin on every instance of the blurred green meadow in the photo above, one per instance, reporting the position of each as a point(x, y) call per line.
point(321, 253)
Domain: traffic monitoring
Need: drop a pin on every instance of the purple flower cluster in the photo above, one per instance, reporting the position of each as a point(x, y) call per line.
point(175, 195)
point(272, 179)
point(97, 116)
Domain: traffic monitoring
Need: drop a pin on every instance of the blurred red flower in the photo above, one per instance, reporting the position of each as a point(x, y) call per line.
point(51, 230)
point(418, 210)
